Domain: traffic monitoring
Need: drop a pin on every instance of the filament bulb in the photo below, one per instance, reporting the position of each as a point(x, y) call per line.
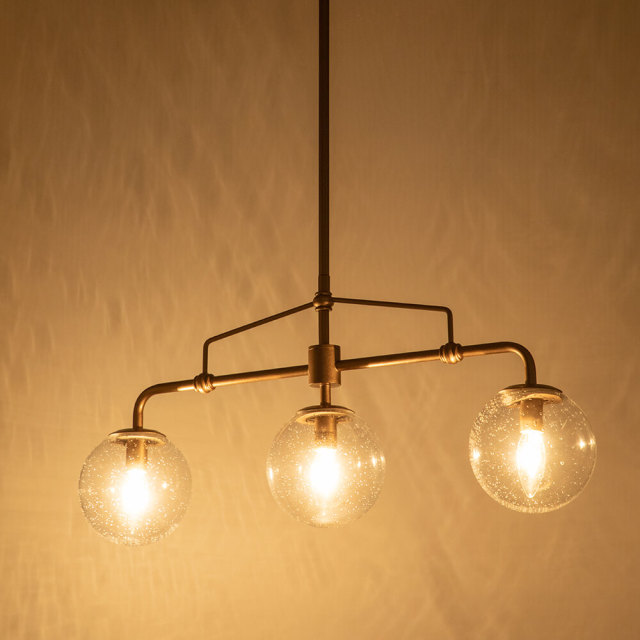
point(324, 472)
point(530, 460)
point(530, 454)
point(325, 466)
point(532, 449)
point(135, 493)
point(135, 486)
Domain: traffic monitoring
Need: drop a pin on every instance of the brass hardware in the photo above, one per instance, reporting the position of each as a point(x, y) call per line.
point(506, 347)
point(325, 366)
point(203, 383)
point(326, 430)
point(531, 413)
point(323, 301)
point(542, 392)
point(136, 452)
point(322, 365)
point(148, 435)
point(325, 395)
point(545, 391)
point(246, 327)
point(403, 305)
point(326, 420)
point(451, 353)
point(329, 355)
point(156, 389)
point(136, 443)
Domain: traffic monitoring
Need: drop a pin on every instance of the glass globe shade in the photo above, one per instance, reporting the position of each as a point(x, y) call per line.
point(325, 467)
point(135, 487)
point(532, 449)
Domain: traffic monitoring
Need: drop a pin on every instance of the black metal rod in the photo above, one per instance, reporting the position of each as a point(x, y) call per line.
point(403, 305)
point(246, 327)
point(324, 279)
point(323, 148)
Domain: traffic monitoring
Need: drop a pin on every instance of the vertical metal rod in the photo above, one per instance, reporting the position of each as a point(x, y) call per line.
point(324, 285)
point(325, 395)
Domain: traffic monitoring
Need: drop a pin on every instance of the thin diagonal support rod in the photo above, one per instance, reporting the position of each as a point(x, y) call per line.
point(403, 305)
point(246, 327)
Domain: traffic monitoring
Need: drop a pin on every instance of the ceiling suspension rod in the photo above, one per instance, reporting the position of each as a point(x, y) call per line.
point(324, 284)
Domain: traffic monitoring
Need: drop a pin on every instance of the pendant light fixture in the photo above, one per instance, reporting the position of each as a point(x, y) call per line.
point(531, 448)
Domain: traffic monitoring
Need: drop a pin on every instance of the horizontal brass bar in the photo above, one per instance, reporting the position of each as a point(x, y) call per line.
point(351, 364)
point(258, 376)
point(389, 359)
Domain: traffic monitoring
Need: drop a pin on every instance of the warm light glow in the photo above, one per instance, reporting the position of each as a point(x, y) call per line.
point(135, 495)
point(324, 472)
point(530, 460)
point(320, 467)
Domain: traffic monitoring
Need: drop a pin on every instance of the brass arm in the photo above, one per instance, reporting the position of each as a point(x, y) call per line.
point(491, 348)
point(156, 389)
point(450, 353)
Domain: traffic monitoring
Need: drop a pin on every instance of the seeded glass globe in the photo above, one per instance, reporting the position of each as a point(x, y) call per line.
point(135, 487)
point(325, 467)
point(532, 449)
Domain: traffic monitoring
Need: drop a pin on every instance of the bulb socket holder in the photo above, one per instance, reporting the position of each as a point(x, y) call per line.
point(531, 413)
point(326, 429)
point(543, 392)
point(136, 449)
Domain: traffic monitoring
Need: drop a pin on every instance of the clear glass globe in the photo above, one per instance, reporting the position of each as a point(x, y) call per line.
point(532, 449)
point(325, 467)
point(135, 487)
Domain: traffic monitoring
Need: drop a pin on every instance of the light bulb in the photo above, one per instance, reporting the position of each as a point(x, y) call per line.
point(532, 449)
point(135, 493)
point(135, 487)
point(324, 472)
point(530, 460)
point(325, 467)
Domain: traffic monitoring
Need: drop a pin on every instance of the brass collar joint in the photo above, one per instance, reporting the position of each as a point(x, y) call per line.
point(323, 300)
point(322, 365)
point(204, 383)
point(451, 353)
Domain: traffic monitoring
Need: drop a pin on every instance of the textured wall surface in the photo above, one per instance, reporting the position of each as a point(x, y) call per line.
point(158, 185)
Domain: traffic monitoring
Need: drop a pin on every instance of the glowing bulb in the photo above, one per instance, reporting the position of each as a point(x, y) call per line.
point(532, 449)
point(135, 495)
point(135, 487)
point(324, 472)
point(325, 467)
point(530, 460)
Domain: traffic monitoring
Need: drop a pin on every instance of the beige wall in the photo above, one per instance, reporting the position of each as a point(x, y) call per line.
point(158, 164)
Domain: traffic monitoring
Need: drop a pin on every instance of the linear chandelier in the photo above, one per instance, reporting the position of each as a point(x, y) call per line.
point(531, 448)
